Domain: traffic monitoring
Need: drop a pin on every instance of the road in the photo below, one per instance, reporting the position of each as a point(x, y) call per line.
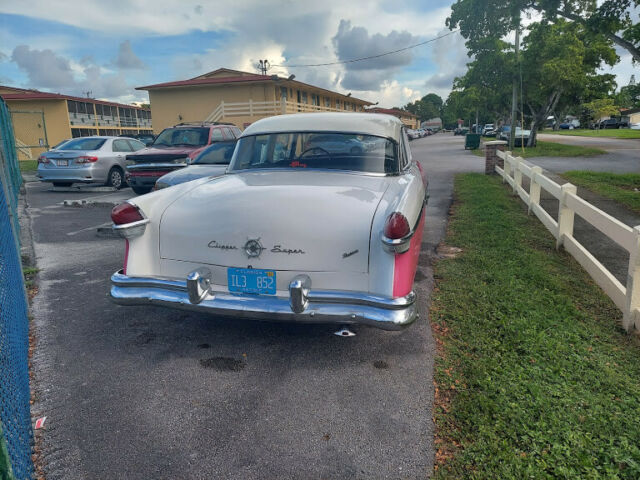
point(623, 155)
point(146, 392)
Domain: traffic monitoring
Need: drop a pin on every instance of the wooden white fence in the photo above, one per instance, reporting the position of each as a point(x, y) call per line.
point(626, 298)
point(264, 109)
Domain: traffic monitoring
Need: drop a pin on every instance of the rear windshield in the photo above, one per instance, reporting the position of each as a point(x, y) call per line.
point(216, 154)
point(84, 144)
point(182, 137)
point(338, 151)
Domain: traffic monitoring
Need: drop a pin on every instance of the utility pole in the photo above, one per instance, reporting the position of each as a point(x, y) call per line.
point(263, 65)
point(514, 96)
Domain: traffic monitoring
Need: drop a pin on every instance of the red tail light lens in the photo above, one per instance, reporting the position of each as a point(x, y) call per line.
point(125, 213)
point(396, 226)
point(86, 159)
point(43, 159)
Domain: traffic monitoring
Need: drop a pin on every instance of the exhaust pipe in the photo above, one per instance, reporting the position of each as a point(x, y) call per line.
point(344, 332)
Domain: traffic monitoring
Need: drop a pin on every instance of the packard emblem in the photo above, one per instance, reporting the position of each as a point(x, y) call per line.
point(253, 247)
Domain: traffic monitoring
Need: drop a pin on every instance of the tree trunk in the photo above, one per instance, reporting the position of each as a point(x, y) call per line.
point(539, 116)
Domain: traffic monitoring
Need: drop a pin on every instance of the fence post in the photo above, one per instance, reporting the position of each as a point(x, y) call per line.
point(534, 188)
point(630, 318)
point(565, 214)
point(283, 106)
point(517, 174)
point(491, 158)
point(507, 165)
point(251, 107)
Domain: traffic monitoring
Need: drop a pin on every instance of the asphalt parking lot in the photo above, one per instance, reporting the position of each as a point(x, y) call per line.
point(146, 392)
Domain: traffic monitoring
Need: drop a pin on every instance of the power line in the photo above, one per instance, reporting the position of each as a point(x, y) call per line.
point(371, 56)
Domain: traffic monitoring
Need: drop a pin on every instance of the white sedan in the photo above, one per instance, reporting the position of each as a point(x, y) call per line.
point(293, 232)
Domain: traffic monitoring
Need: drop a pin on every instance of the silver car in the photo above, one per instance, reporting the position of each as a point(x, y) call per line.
point(96, 159)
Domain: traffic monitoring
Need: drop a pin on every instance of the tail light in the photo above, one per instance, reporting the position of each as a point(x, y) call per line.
point(43, 159)
point(396, 226)
point(85, 159)
point(125, 213)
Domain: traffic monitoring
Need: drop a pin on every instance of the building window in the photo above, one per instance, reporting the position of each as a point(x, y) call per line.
point(327, 102)
point(305, 99)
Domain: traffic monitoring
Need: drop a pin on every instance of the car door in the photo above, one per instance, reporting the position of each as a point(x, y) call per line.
point(120, 148)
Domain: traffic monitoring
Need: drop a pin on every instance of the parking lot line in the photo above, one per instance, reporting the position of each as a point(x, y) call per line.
point(95, 227)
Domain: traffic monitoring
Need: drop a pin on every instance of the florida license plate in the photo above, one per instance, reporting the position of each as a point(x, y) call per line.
point(251, 280)
point(63, 163)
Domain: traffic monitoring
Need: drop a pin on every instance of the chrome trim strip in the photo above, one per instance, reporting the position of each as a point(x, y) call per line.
point(154, 166)
point(130, 230)
point(320, 306)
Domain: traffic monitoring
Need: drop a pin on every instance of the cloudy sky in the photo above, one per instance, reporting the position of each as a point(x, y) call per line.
point(110, 47)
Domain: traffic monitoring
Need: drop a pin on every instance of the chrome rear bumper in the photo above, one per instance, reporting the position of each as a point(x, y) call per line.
point(303, 305)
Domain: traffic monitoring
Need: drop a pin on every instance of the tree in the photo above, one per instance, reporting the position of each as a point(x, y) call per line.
point(559, 59)
point(603, 107)
point(427, 107)
point(480, 19)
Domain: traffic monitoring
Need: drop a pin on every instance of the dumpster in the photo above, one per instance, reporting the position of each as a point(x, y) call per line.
point(471, 141)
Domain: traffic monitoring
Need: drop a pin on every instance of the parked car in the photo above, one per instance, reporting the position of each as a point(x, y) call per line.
point(312, 237)
point(488, 130)
point(503, 132)
point(635, 126)
point(145, 138)
point(521, 136)
point(96, 159)
point(613, 123)
point(174, 148)
point(211, 162)
point(461, 131)
point(412, 134)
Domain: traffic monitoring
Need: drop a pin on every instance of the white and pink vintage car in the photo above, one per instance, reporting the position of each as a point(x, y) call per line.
point(319, 218)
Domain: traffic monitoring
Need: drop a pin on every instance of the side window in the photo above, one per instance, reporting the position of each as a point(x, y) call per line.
point(406, 151)
point(236, 131)
point(135, 145)
point(216, 135)
point(121, 146)
point(228, 135)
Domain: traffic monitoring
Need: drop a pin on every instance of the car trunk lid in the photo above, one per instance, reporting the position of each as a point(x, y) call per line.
point(303, 221)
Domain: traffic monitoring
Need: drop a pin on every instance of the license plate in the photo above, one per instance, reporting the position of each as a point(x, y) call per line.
point(63, 163)
point(251, 280)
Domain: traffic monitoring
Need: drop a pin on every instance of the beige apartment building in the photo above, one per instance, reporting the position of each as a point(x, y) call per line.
point(43, 119)
point(408, 118)
point(241, 98)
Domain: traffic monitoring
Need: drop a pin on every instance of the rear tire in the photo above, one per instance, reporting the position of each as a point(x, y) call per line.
point(62, 184)
point(140, 190)
point(115, 178)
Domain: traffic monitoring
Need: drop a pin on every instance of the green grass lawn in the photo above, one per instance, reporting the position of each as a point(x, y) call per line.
point(551, 149)
point(623, 188)
point(534, 377)
point(28, 166)
point(606, 133)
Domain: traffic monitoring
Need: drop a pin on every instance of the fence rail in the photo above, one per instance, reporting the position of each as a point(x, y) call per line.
point(626, 297)
point(263, 109)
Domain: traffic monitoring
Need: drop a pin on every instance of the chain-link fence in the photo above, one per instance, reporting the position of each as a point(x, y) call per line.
point(16, 436)
point(30, 134)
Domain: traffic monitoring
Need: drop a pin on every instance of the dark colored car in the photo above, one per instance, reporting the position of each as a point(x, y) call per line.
point(461, 131)
point(211, 162)
point(174, 148)
point(613, 123)
point(145, 138)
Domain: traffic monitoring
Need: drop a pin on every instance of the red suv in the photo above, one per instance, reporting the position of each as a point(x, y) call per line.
point(174, 148)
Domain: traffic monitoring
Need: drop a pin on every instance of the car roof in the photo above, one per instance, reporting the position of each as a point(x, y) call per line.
point(104, 137)
point(377, 124)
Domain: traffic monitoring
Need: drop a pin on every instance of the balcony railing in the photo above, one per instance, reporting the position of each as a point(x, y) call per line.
point(265, 109)
point(82, 119)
